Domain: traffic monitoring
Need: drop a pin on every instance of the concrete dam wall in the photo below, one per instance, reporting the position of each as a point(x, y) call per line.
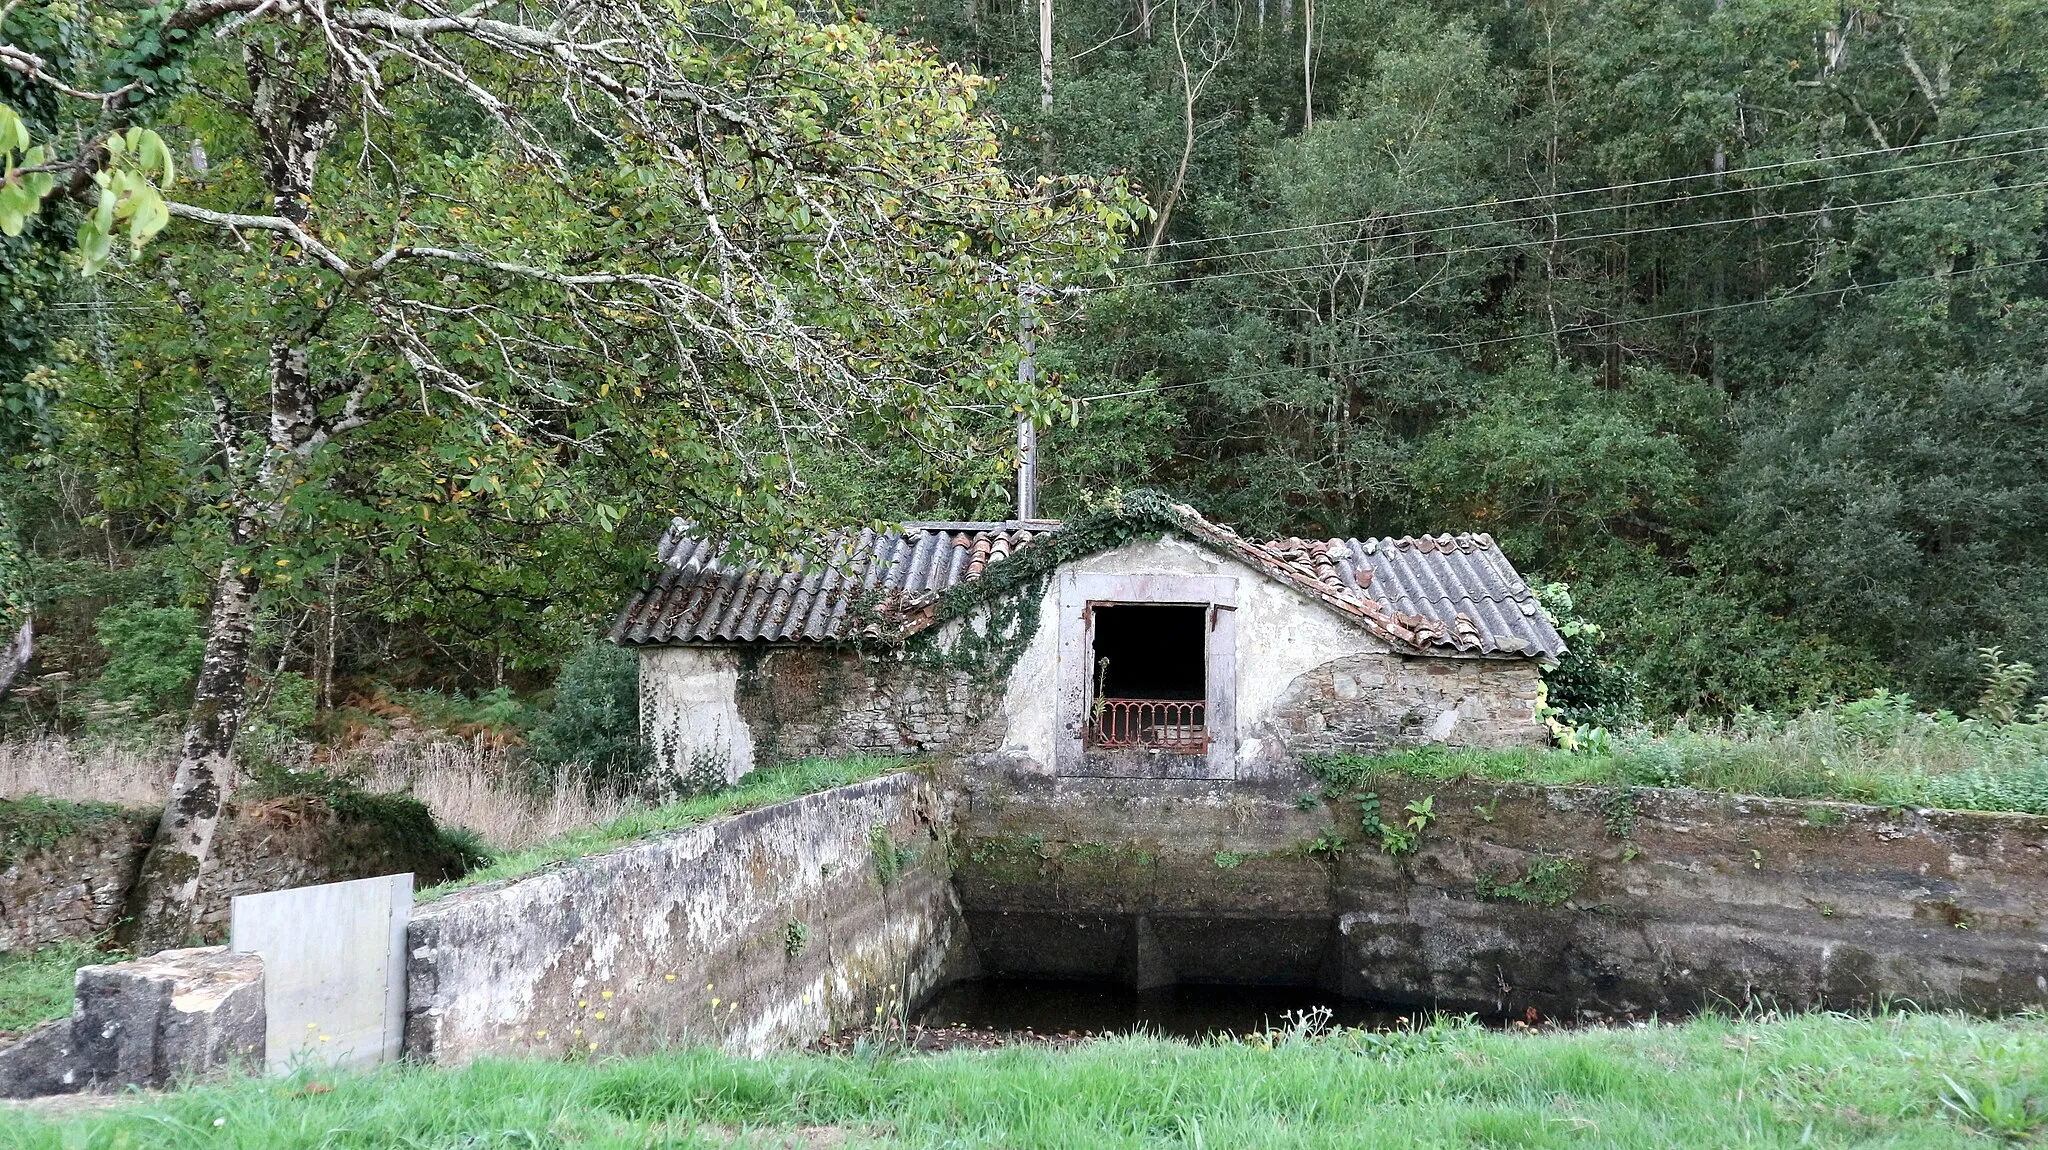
point(766, 929)
point(1566, 900)
point(755, 932)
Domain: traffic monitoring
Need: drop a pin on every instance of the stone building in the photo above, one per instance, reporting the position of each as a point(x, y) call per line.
point(1142, 641)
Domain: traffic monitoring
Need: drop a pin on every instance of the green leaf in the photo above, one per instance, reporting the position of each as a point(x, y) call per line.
point(150, 216)
point(13, 133)
point(95, 243)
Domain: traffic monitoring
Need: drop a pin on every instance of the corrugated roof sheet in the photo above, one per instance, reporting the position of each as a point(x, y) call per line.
point(699, 597)
point(1454, 592)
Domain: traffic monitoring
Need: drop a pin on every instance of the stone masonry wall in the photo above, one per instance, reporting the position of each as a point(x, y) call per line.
point(754, 932)
point(1564, 900)
point(74, 888)
point(1366, 703)
point(804, 701)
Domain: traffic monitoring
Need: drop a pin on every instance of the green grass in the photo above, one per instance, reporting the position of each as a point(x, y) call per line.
point(36, 985)
point(1824, 1080)
point(1870, 751)
point(34, 822)
point(760, 788)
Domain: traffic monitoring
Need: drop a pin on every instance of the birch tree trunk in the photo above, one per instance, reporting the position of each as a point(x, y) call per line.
point(294, 117)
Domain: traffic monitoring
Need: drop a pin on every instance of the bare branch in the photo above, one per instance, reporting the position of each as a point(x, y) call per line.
point(277, 224)
point(32, 68)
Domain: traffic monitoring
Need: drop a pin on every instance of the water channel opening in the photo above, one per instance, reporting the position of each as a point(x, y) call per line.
point(1150, 686)
point(1188, 1010)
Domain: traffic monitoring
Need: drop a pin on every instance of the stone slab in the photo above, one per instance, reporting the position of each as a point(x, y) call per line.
point(334, 957)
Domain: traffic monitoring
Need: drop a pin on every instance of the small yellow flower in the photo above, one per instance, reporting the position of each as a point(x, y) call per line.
point(312, 1026)
point(593, 1046)
point(579, 1034)
point(583, 1002)
point(607, 994)
point(714, 1004)
point(707, 986)
point(671, 978)
point(807, 1000)
point(324, 1037)
point(600, 1016)
point(540, 1034)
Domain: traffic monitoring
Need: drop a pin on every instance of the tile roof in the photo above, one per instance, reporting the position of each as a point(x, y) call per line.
point(1444, 592)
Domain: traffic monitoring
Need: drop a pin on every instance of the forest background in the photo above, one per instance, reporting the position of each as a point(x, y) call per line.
point(1728, 313)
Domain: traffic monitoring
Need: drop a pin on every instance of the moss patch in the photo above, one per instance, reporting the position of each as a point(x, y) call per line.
point(35, 823)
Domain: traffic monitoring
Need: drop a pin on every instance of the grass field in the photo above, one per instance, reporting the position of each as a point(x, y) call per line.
point(1870, 751)
point(1897, 1080)
point(36, 985)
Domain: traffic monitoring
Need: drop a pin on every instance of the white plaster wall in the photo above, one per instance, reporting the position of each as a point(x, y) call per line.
point(689, 710)
point(1031, 700)
point(1281, 634)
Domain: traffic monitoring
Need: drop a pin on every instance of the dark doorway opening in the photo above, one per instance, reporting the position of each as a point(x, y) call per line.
point(1149, 677)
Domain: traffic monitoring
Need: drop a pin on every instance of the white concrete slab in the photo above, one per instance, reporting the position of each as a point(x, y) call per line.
point(333, 969)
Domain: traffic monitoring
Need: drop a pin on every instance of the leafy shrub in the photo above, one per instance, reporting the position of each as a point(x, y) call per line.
point(154, 656)
point(595, 722)
point(1585, 689)
point(284, 709)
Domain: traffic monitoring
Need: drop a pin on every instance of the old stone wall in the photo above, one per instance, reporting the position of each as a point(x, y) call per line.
point(1371, 702)
point(717, 712)
point(754, 932)
point(73, 888)
point(804, 701)
point(1562, 900)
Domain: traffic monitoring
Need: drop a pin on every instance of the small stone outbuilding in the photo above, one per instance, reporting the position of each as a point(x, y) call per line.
point(1142, 641)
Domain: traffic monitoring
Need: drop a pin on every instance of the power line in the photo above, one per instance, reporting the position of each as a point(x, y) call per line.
point(1688, 198)
point(1650, 183)
point(1446, 253)
point(1477, 343)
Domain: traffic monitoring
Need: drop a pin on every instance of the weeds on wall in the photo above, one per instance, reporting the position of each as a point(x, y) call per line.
point(33, 823)
point(890, 859)
point(1549, 881)
point(795, 937)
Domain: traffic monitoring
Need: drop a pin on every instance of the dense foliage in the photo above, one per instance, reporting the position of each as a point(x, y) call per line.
point(1729, 314)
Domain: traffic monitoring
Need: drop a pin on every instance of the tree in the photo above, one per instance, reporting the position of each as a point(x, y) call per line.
point(458, 273)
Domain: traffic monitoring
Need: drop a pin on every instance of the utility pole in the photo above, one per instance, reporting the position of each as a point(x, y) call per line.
point(1027, 339)
point(1045, 55)
point(1027, 380)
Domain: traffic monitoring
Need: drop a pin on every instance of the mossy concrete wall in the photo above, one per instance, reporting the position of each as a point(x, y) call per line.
point(1564, 900)
point(755, 932)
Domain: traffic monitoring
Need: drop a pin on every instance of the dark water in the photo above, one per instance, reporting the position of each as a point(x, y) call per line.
point(1186, 1011)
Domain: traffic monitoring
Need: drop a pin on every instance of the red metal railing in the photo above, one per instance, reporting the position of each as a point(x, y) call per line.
point(1173, 725)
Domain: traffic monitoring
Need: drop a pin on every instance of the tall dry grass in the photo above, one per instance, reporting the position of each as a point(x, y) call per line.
point(468, 783)
point(134, 774)
point(472, 783)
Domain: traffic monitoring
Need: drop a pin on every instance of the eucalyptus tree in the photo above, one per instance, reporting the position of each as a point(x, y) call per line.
point(455, 268)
